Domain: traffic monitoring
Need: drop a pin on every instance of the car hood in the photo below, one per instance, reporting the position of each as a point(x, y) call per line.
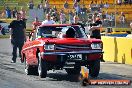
point(70, 41)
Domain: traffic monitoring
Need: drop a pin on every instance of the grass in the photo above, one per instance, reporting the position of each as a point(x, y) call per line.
point(4, 36)
point(28, 30)
point(18, 4)
point(7, 35)
point(7, 20)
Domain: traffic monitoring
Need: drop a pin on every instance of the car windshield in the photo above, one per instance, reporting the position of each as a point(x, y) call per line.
point(54, 31)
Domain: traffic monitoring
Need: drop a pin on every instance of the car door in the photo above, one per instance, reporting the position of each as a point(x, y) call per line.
point(31, 51)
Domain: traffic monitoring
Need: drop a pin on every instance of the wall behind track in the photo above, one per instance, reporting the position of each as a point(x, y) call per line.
point(117, 49)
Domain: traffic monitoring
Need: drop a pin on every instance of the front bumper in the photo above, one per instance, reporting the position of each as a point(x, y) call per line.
point(73, 52)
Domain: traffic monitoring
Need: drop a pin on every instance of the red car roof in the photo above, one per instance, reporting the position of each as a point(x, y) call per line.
point(58, 25)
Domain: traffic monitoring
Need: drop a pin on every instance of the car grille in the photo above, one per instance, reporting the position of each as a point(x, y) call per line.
point(62, 47)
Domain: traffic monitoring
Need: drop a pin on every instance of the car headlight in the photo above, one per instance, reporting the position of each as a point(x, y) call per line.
point(96, 46)
point(49, 47)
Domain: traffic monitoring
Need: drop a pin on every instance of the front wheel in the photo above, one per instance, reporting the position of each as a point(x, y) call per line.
point(42, 70)
point(28, 69)
point(94, 68)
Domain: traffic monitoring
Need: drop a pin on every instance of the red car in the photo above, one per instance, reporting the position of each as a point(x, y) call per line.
point(61, 46)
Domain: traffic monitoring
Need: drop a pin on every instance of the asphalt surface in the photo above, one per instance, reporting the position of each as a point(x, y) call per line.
point(12, 75)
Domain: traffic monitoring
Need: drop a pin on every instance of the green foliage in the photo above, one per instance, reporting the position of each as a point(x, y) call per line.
point(17, 3)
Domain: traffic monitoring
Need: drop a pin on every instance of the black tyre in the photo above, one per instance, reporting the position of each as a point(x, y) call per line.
point(42, 70)
point(74, 71)
point(30, 70)
point(94, 68)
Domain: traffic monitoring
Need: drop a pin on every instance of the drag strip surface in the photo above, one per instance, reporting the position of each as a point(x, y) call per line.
point(12, 75)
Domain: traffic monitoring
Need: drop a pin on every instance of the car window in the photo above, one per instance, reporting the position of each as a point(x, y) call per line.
point(79, 32)
point(54, 31)
point(49, 32)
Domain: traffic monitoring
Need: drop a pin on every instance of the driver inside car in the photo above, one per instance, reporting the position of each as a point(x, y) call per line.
point(70, 33)
point(67, 33)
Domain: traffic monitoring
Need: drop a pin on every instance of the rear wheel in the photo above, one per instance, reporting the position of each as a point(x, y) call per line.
point(42, 70)
point(94, 68)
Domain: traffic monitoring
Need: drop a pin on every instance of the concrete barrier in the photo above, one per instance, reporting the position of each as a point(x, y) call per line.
point(117, 49)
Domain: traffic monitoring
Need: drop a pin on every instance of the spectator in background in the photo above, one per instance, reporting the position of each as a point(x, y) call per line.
point(36, 23)
point(14, 12)
point(84, 9)
point(39, 12)
point(71, 14)
point(94, 7)
point(83, 14)
point(112, 19)
point(54, 9)
point(76, 0)
point(54, 19)
point(66, 5)
point(96, 4)
point(119, 2)
point(46, 6)
point(95, 31)
point(40, 6)
point(122, 19)
point(75, 19)
point(8, 12)
point(23, 14)
point(101, 4)
point(55, 16)
point(103, 15)
point(62, 17)
point(95, 28)
point(3, 14)
point(94, 17)
point(125, 1)
point(130, 1)
point(48, 20)
point(50, 11)
point(31, 9)
point(77, 9)
point(31, 4)
point(106, 5)
point(75, 5)
point(91, 6)
point(107, 19)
